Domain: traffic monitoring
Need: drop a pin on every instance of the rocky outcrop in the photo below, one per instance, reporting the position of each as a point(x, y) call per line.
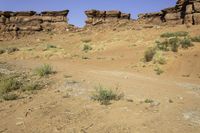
point(95, 17)
point(185, 12)
point(30, 21)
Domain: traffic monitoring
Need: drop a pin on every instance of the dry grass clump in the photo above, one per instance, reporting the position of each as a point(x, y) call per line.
point(174, 34)
point(44, 70)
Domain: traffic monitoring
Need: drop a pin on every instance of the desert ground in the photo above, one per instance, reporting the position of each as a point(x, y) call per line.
point(157, 98)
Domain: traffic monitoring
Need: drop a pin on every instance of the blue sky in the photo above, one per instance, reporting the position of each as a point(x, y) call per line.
point(77, 7)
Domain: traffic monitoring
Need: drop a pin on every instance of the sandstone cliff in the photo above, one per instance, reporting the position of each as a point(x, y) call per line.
point(185, 12)
point(16, 23)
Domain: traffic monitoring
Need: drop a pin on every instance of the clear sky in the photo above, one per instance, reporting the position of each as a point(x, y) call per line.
point(77, 7)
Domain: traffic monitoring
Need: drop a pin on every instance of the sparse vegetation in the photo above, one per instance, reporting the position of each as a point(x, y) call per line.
point(10, 96)
point(49, 46)
point(174, 34)
point(174, 44)
point(105, 95)
point(159, 58)
point(186, 42)
point(44, 70)
point(148, 101)
point(87, 47)
point(12, 50)
point(31, 86)
point(87, 40)
point(158, 70)
point(195, 39)
point(149, 54)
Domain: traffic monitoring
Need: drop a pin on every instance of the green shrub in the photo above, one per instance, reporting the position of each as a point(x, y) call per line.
point(195, 39)
point(174, 44)
point(186, 42)
point(31, 87)
point(164, 46)
point(159, 58)
point(105, 95)
point(44, 70)
point(148, 101)
point(10, 96)
point(158, 70)
point(149, 54)
point(9, 84)
point(87, 47)
point(174, 34)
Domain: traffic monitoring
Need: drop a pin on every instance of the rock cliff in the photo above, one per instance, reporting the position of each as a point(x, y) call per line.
point(16, 23)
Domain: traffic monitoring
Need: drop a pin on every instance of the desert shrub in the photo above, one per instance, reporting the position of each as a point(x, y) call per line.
point(105, 95)
point(195, 39)
point(2, 51)
point(86, 47)
point(149, 54)
point(158, 70)
point(164, 46)
point(9, 84)
point(31, 87)
point(148, 101)
point(159, 58)
point(49, 46)
point(10, 96)
point(44, 70)
point(174, 44)
point(186, 42)
point(174, 34)
point(12, 50)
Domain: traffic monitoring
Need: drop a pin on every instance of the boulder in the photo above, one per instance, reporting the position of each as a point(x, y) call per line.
point(188, 19)
point(197, 7)
point(125, 16)
point(101, 14)
point(55, 13)
point(189, 9)
point(173, 16)
point(91, 13)
point(196, 18)
point(113, 13)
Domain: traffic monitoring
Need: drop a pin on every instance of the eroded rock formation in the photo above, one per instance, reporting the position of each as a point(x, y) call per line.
point(185, 12)
point(16, 23)
point(98, 17)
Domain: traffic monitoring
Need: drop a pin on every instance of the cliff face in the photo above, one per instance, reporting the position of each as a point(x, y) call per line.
point(185, 12)
point(28, 22)
point(95, 17)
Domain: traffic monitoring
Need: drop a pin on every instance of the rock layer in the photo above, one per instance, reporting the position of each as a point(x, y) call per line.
point(185, 12)
point(30, 21)
point(98, 17)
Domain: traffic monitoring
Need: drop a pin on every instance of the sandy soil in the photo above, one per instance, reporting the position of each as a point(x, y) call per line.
point(114, 61)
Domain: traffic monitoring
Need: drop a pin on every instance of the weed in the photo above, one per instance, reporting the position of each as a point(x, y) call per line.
point(31, 87)
point(149, 54)
point(105, 95)
point(10, 96)
point(158, 70)
point(12, 50)
point(9, 84)
point(44, 70)
point(49, 46)
point(159, 58)
point(86, 47)
point(164, 46)
point(148, 101)
point(174, 34)
point(186, 42)
point(174, 44)
point(195, 39)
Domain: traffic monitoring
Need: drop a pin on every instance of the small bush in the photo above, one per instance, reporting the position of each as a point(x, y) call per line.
point(174, 34)
point(159, 58)
point(174, 44)
point(44, 70)
point(104, 95)
point(87, 47)
point(31, 87)
point(148, 101)
point(158, 70)
point(149, 54)
point(186, 42)
point(195, 39)
point(2, 51)
point(9, 84)
point(10, 96)
point(164, 46)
